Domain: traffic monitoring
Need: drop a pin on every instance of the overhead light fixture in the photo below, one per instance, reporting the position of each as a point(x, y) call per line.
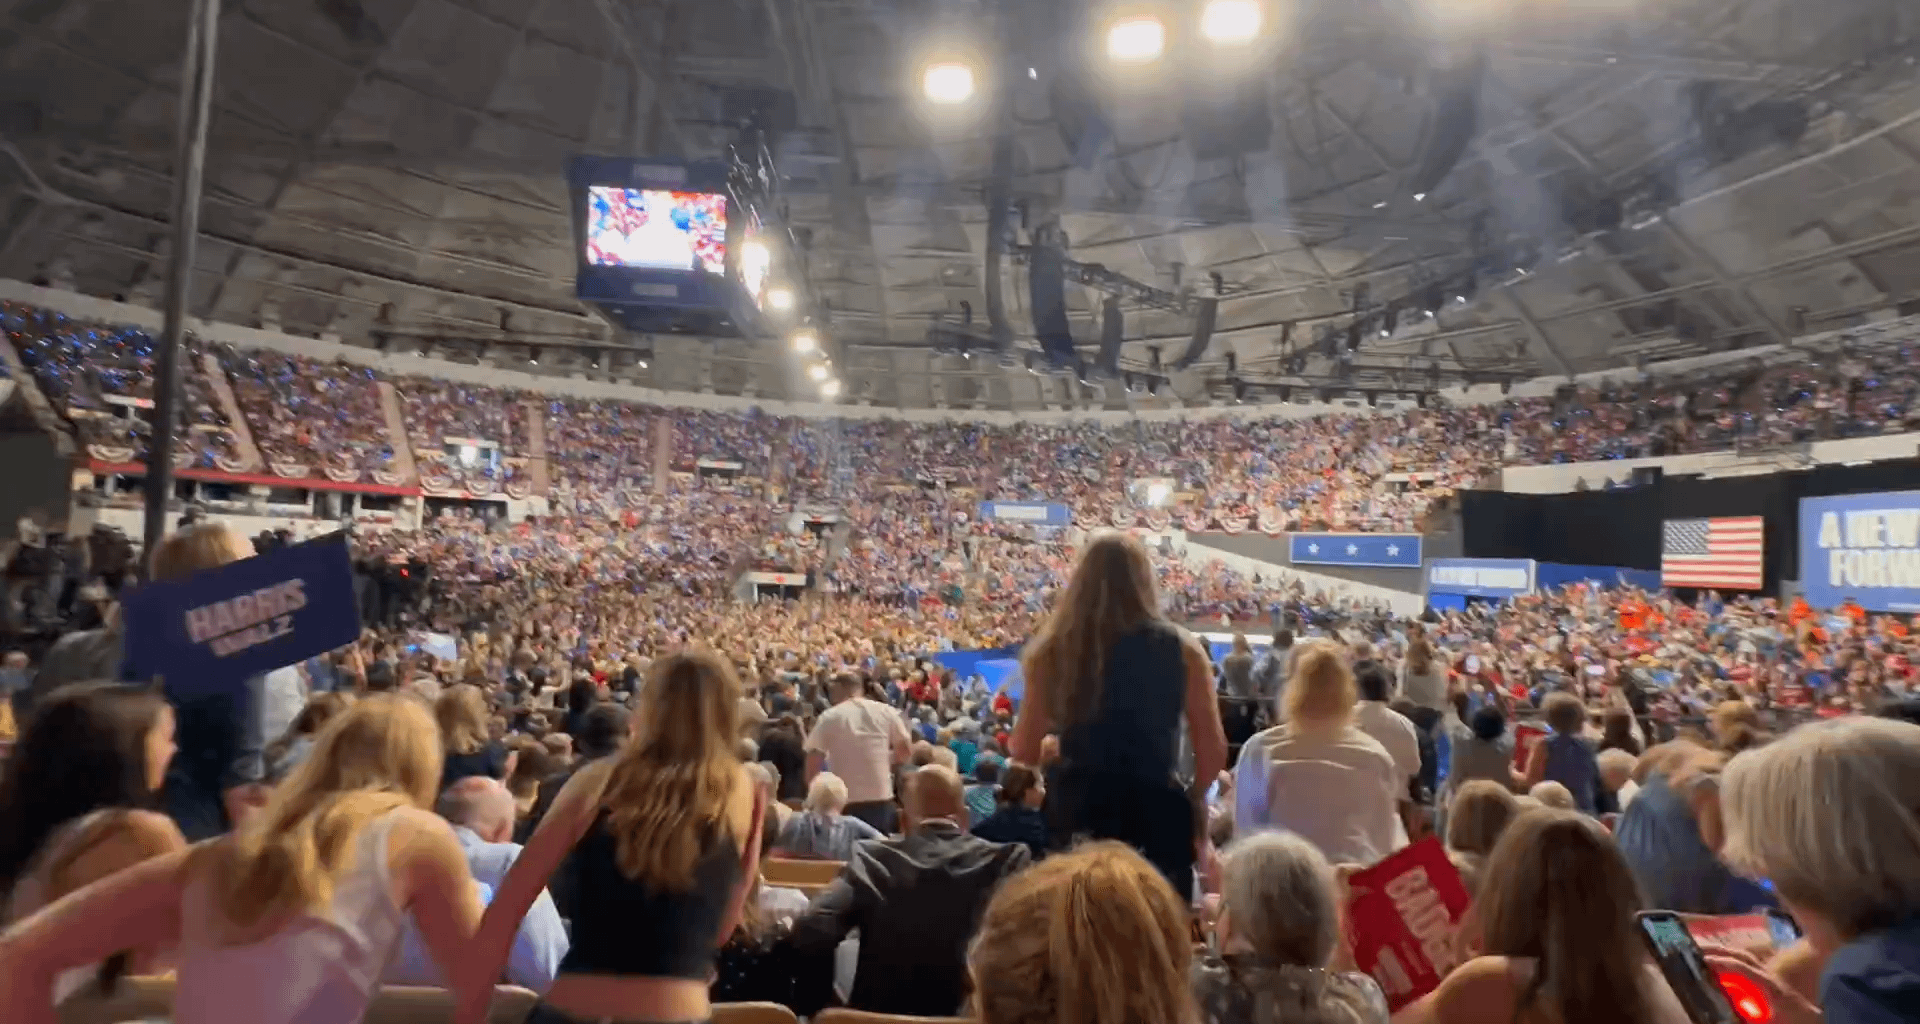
point(1137, 40)
point(641, 364)
point(1381, 205)
point(948, 83)
point(804, 342)
point(1231, 21)
point(755, 254)
point(817, 372)
point(1419, 197)
point(1034, 74)
point(780, 298)
point(831, 389)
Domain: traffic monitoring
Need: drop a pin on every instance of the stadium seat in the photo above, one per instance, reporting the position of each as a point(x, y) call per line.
point(795, 872)
point(144, 999)
point(842, 1015)
point(751, 1013)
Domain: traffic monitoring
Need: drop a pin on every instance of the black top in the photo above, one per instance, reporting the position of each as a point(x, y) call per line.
point(637, 929)
point(785, 752)
point(489, 761)
point(1134, 726)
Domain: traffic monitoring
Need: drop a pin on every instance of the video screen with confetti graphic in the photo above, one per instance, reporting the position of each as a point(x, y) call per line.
point(655, 229)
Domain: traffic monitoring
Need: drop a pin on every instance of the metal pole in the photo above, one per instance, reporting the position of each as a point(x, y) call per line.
point(189, 166)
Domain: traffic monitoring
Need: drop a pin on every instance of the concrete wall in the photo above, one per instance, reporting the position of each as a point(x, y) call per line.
point(37, 478)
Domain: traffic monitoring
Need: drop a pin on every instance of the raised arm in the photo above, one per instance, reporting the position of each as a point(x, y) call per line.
point(1203, 717)
point(572, 814)
point(1036, 718)
point(138, 908)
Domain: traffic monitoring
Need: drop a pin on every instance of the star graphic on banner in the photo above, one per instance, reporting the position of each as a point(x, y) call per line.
point(1393, 551)
point(1313, 549)
point(1353, 549)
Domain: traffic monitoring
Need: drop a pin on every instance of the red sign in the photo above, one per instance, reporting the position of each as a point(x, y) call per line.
point(1523, 737)
point(1403, 921)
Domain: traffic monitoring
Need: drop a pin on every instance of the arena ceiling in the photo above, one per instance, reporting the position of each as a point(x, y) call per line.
point(1673, 177)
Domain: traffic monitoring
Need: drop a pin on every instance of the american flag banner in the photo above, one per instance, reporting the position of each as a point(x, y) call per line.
point(1722, 553)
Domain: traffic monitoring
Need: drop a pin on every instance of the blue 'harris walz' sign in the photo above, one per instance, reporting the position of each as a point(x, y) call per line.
point(223, 625)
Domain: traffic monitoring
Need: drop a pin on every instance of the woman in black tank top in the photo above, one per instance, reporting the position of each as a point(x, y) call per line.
point(663, 839)
point(1113, 678)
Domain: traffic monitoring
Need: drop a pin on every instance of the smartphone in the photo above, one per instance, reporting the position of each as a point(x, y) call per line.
point(1685, 968)
point(1782, 927)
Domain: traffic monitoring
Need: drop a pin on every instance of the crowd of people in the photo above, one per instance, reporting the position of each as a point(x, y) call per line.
point(643, 802)
point(1335, 471)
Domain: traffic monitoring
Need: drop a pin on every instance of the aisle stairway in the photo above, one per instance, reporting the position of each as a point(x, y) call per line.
point(42, 410)
point(397, 433)
point(662, 452)
point(230, 408)
point(537, 476)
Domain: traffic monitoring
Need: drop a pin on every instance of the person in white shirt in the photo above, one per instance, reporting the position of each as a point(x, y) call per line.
point(1318, 775)
point(1377, 719)
point(481, 811)
point(862, 740)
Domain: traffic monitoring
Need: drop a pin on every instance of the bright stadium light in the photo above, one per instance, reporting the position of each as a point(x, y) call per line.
point(1157, 494)
point(817, 372)
point(780, 298)
point(755, 254)
point(1137, 40)
point(830, 389)
point(948, 83)
point(1231, 21)
point(804, 342)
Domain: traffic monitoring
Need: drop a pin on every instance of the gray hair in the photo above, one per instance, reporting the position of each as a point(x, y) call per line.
point(1279, 889)
point(477, 802)
point(827, 794)
point(1827, 813)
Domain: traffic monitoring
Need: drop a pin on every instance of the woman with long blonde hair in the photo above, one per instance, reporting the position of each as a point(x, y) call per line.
point(1090, 937)
point(665, 841)
point(291, 919)
point(1113, 677)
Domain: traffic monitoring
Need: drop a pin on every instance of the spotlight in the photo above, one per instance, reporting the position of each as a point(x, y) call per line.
point(642, 364)
point(817, 372)
point(1419, 197)
point(1033, 74)
point(804, 341)
point(1231, 21)
point(755, 254)
point(830, 389)
point(780, 299)
point(949, 83)
point(1137, 40)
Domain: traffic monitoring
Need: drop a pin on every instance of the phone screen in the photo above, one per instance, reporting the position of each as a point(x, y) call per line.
point(1782, 928)
point(1685, 968)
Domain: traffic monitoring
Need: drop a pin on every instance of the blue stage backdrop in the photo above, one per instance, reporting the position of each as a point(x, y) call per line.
point(1861, 546)
point(1386, 550)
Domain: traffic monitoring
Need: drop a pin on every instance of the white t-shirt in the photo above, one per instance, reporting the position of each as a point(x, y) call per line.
point(1393, 731)
point(858, 736)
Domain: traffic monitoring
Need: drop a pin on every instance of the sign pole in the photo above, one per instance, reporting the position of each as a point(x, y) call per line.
point(189, 166)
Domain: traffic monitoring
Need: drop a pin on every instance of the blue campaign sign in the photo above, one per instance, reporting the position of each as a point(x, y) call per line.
point(1390, 550)
point(1861, 546)
point(1481, 577)
point(221, 626)
point(1030, 513)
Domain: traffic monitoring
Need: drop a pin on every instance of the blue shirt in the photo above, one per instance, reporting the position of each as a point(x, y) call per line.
point(1875, 979)
point(538, 946)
